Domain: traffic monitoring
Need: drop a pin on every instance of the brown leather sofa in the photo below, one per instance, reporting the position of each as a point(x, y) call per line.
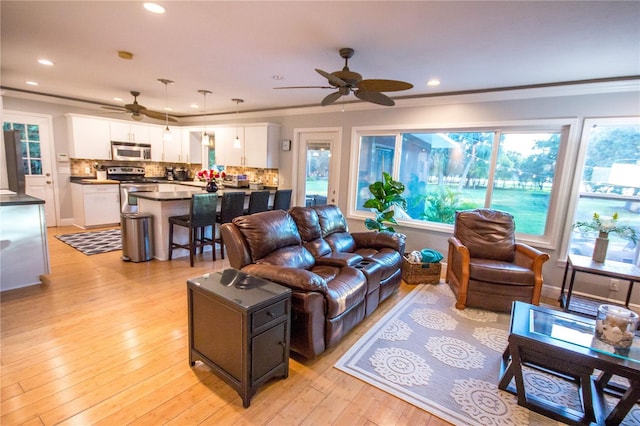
point(332, 291)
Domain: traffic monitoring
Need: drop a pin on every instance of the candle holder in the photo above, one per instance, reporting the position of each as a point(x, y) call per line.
point(616, 326)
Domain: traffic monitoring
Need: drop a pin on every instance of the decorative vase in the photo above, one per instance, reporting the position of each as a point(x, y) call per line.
point(600, 248)
point(212, 186)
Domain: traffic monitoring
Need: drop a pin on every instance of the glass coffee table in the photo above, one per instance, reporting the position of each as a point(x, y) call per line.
point(564, 345)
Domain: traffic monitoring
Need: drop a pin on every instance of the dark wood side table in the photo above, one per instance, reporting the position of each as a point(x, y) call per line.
point(239, 326)
point(611, 269)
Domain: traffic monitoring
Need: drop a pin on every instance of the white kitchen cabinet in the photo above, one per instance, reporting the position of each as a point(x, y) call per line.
point(95, 205)
point(124, 131)
point(89, 137)
point(262, 146)
point(172, 150)
point(156, 134)
point(259, 145)
point(186, 148)
point(162, 150)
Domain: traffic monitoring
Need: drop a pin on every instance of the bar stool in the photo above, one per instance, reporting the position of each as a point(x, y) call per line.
point(282, 199)
point(258, 202)
point(202, 213)
point(231, 207)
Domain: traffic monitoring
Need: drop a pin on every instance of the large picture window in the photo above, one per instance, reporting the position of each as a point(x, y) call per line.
point(609, 183)
point(511, 169)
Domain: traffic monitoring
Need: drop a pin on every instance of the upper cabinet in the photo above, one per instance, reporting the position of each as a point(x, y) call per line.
point(89, 137)
point(129, 132)
point(259, 145)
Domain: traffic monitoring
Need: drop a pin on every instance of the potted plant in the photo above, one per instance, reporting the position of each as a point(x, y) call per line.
point(605, 225)
point(385, 195)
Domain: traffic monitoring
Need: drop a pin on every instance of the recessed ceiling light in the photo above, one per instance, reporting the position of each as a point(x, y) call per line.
point(32, 83)
point(194, 105)
point(117, 99)
point(154, 8)
point(433, 82)
point(46, 62)
point(168, 109)
point(278, 77)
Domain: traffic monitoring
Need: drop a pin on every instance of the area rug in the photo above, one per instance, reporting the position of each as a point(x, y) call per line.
point(447, 362)
point(94, 242)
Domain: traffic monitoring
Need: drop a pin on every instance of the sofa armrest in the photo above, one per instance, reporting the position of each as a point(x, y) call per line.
point(380, 240)
point(339, 259)
point(294, 278)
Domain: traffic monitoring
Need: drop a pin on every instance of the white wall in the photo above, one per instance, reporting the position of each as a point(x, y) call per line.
point(535, 104)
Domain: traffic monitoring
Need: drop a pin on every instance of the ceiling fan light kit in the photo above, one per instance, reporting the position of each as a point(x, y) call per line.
point(347, 81)
point(138, 112)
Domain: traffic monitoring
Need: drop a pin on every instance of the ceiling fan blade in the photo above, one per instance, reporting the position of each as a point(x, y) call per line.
point(379, 85)
point(332, 78)
point(374, 97)
point(158, 115)
point(304, 87)
point(112, 108)
point(328, 100)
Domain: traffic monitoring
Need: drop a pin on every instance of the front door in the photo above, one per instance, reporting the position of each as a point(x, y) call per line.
point(35, 135)
point(318, 167)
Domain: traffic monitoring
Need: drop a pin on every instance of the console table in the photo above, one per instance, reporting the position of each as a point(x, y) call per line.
point(563, 344)
point(611, 269)
point(239, 326)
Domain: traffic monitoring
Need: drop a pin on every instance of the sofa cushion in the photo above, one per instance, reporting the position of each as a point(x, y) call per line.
point(498, 272)
point(331, 219)
point(346, 288)
point(267, 232)
point(488, 234)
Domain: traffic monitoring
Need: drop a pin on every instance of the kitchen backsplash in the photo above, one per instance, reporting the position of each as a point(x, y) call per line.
point(268, 177)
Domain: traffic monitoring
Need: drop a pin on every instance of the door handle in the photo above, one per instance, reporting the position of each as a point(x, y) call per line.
point(49, 182)
point(47, 174)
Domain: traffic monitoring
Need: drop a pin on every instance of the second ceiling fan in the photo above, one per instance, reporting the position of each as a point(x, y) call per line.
point(347, 81)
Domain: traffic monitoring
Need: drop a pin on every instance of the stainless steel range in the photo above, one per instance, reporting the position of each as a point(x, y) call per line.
point(131, 180)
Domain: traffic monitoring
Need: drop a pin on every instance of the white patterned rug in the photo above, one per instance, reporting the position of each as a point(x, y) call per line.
point(94, 242)
point(447, 362)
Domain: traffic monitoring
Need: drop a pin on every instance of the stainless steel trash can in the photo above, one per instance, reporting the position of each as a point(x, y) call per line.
point(137, 237)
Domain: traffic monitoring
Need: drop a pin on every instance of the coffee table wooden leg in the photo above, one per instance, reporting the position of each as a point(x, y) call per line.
point(628, 400)
point(507, 371)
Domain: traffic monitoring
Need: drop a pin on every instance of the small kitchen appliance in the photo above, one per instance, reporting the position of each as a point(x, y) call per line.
point(236, 181)
point(169, 173)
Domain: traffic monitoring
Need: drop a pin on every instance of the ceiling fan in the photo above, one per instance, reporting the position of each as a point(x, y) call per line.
point(138, 111)
point(347, 81)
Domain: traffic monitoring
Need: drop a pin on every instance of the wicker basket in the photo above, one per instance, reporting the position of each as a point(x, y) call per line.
point(420, 273)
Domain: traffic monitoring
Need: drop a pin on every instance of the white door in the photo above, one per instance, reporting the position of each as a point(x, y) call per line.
point(318, 167)
point(35, 135)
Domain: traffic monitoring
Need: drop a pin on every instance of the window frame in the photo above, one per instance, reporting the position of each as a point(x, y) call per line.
point(583, 145)
point(554, 229)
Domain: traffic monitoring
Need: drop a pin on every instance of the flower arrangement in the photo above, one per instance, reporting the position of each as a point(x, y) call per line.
point(211, 175)
point(606, 224)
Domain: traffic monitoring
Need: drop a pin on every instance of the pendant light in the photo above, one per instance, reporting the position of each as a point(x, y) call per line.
point(205, 137)
point(236, 142)
point(166, 135)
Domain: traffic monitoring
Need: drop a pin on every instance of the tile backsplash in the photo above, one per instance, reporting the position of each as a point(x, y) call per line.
point(268, 177)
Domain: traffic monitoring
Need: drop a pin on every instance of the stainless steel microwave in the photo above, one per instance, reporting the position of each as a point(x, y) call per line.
point(130, 151)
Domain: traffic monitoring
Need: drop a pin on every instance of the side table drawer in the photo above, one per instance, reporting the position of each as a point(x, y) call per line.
point(268, 314)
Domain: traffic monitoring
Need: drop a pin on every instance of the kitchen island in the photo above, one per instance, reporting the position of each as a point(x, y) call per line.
point(24, 252)
point(163, 205)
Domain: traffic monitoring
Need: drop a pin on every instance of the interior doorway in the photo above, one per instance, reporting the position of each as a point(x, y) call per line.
point(318, 171)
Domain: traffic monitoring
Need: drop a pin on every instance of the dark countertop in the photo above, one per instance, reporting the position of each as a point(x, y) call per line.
point(19, 200)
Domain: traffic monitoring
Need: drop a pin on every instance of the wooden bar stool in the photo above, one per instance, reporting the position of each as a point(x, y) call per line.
point(282, 199)
point(202, 213)
point(258, 202)
point(231, 207)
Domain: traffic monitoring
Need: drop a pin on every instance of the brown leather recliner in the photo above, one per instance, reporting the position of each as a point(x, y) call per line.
point(328, 300)
point(486, 267)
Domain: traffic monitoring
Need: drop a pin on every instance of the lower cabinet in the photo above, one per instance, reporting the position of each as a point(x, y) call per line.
point(95, 205)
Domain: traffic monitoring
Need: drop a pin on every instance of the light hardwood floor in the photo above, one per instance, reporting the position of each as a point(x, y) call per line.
point(105, 342)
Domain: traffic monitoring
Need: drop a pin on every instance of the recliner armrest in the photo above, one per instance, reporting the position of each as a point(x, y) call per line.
point(294, 278)
point(379, 240)
point(530, 257)
point(339, 259)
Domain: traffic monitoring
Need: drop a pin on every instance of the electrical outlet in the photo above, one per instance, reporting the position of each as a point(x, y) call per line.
point(87, 170)
point(613, 284)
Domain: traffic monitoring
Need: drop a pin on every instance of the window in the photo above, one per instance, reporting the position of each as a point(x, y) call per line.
point(609, 183)
point(512, 169)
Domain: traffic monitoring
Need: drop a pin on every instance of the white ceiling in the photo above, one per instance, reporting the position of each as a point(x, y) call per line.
point(235, 48)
